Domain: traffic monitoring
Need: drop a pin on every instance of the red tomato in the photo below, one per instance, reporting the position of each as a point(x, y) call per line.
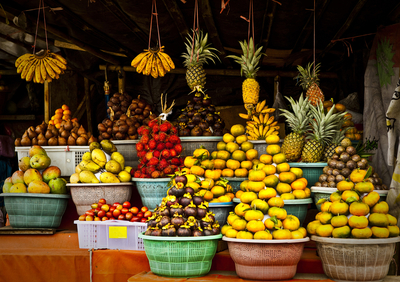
point(144, 209)
point(96, 210)
point(143, 219)
point(102, 201)
point(124, 210)
point(89, 212)
point(147, 214)
point(112, 209)
point(135, 219)
point(116, 213)
point(140, 214)
point(97, 218)
point(100, 205)
point(128, 215)
point(101, 214)
point(89, 218)
point(109, 214)
point(95, 206)
point(134, 210)
point(82, 218)
point(104, 218)
point(116, 204)
point(121, 217)
point(126, 205)
point(105, 207)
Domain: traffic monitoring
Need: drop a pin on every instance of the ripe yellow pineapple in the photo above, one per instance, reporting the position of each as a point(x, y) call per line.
point(308, 79)
point(248, 62)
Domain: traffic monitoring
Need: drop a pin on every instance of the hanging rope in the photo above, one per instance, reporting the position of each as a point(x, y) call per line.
point(41, 7)
point(196, 27)
point(154, 14)
point(250, 29)
point(314, 41)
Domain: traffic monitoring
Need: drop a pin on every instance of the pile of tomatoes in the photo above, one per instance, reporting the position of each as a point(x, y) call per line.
point(101, 211)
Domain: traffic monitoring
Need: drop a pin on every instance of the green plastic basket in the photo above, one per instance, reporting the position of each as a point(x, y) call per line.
point(33, 210)
point(298, 208)
point(151, 191)
point(180, 256)
point(311, 171)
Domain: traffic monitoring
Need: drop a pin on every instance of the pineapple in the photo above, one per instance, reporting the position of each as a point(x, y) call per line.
point(310, 82)
point(323, 128)
point(337, 138)
point(248, 62)
point(298, 122)
point(194, 60)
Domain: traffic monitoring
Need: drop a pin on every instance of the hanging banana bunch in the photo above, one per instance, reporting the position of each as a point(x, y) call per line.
point(260, 108)
point(153, 62)
point(44, 66)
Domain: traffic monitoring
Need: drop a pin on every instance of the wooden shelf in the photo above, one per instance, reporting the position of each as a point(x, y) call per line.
point(17, 117)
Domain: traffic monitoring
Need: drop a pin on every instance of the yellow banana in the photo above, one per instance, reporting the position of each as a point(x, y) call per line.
point(275, 127)
point(275, 133)
point(262, 104)
point(48, 78)
point(274, 123)
point(52, 65)
point(270, 120)
point(256, 119)
point(160, 68)
point(266, 128)
point(31, 72)
point(270, 110)
point(59, 64)
point(38, 74)
point(27, 68)
point(135, 62)
point(244, 116)
point(257, 106)
point(164, 62)
point(154, 70)
point(22, 65)
point(49, 70)
point(253, 127)
point(167, 59)
point(261, 117)
point(43, 71)
point(21, 59)
point(254, 135)
point(269, 132)
point(59, 58)
point(260, 129)
point(143, 63)
point(34, 79)
point(57, 75)
point(147, 69)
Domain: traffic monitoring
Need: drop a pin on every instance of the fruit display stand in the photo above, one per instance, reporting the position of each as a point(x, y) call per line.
point(190, 144)
point(356, 259)
point(325, 192)
point(34, 210)
point(235, 182)
point(266, 259)
point(64, 157)
point(151, 191)
point(311, 171)
point(221, 211)
point(128, 149)
point(85, 194)
point(261, 145)
point(180, 256)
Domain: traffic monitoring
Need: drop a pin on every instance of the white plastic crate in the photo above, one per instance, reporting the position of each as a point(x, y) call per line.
point(66, 158)
point(128, 149)
point(110, 234)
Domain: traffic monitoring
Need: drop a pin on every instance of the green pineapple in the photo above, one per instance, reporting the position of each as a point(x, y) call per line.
point(298, 121)
point(323, 128)
point(248, 63)
point(309, 81)
point(202, 51)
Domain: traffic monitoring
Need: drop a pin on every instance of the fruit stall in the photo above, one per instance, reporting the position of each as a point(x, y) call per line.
point(193, 140)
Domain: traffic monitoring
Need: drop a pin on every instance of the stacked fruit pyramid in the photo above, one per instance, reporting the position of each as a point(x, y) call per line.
point(355, 210)
point(199, 118)
point(158, 150)
point(205, 178)
point(35, 175)
point(344, 160)
point(101, 164)
point(61, 114)
point(182, 213)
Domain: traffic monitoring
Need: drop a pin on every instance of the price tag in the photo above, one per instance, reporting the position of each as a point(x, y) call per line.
point(118, 232)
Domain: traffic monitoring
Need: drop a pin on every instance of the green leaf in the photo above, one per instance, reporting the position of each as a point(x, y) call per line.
point(369, 172)
point(351, 199)
point(321, 201)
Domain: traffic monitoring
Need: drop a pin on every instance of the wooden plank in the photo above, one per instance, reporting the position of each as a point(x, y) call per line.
point(88, 107)
point(177, 17)
point(67, 45)
point(80, 110)
point(17, 117)
point(15, 41)
point(9, 72)
point(46, 101)
point(9, 230)
point(121, 81)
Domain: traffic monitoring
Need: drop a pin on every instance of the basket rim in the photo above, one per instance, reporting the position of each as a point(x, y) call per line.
point(351, 241)
point(36, 195)
point(125, 142)
point(221, 205)
point(273, 241)
point(164, 179)
point(262, 141)
point(110, 223)
point(83, 185)
point(236, 178)
point(201, 138)
point(287, 202)
point(332, 190)
point(189, 238)
point(49, 148)
point(300, 164)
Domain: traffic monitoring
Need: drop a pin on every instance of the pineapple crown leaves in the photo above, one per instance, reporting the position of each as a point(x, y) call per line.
point(300, 118)
point(249, 60)
point(202, 51)
point(306, 77)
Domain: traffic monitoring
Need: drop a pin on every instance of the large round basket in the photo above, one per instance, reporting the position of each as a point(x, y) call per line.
point(85, 194)
point(311, 171)
point(235, 182)
point(325, 193)
point(221, 211)
point(189, 144)
point(34, 210)
point(356, 259)
point(266, 259)
point(152, 190)
point(180, 256)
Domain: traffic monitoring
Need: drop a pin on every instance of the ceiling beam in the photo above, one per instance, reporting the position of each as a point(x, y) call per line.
point(270, 22)
point(15, 41)
point(74, 19)
point(177, 17)
point(309, 27)
point(68, 38)
point(357, 8)
point(213, 32)
point(126, 20)
point(394, 15)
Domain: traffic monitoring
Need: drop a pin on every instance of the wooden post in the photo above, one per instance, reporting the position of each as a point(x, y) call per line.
point(276, 85)
point(88, 107)
point(121, 81)
point(46, 102)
